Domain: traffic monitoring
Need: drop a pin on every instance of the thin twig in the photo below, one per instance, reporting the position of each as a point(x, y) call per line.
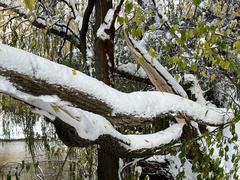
point(61, 168)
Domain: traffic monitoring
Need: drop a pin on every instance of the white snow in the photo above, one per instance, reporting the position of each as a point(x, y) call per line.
point(152, 140)
point(132, 69)
point(227, 165)
point(175, 165)
point(139, 104)
point(195, 88)
point(105, 25)
point(88, 125)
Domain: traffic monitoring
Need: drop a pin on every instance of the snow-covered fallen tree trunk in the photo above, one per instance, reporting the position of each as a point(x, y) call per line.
point(38, 76)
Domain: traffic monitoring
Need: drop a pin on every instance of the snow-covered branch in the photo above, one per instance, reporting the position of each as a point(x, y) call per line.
point(158, 75)
point(195, 88)
point(132, 69)
point(91, 128)
point(38, 76)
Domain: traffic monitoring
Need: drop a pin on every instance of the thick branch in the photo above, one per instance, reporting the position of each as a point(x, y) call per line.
point(39, 76)
point(158, 75)
point(78, 128)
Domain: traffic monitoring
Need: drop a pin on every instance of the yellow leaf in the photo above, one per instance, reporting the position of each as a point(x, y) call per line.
point(29, 4)
point(177, 76)
point(213, 77)
point(152, 52)
point(204, 73)
point(55, 108)
point(74, 72)
point(141, 60)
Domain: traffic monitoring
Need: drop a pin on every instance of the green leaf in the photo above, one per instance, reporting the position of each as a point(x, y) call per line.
point(121, 20)
point(139, 32)
point(226, 65)
point(189, 34)
point(196, 2)
point(238, 72)
point(213, 77)
point(174, 59)
point(204, 73)
point(151, 52)
point(29, 4)
point(141, 60)
point(182, 64)
point(183, 37)
point(237, 45)
point(211, 151)
point(138, 18)
point(177, 76)
point(194, 67)
point(226, 148)
point(128, 7)
point(153, 27)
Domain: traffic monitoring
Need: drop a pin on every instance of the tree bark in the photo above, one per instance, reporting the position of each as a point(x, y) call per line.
point(108, 164)
point(104, 49)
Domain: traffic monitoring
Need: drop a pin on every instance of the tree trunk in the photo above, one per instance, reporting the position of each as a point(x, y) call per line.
point(104, 49)
point(108, 164)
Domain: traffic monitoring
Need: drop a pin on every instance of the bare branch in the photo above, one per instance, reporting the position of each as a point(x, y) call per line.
point(84, 29)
